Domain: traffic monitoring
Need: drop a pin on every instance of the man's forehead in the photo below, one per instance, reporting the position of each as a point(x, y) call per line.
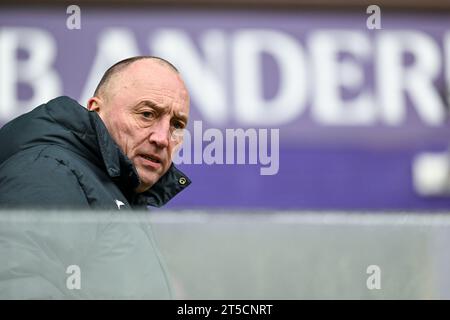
point(163, 95)
point(146, 77)
point(150, 69)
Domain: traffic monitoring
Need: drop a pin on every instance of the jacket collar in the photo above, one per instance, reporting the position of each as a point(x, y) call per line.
point(120, 167)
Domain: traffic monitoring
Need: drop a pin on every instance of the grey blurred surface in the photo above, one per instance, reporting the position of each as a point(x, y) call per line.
point(305, 255)
point(239, 255)
point(76, 255)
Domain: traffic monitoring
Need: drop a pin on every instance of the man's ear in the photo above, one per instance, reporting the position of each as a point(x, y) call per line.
point(93, 104)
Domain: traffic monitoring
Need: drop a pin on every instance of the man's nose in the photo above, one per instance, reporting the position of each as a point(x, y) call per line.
point(160, 134)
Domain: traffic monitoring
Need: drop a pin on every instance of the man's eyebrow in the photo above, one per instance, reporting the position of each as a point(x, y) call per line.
point(162, 110)
point(149, 103)
point(181, 117)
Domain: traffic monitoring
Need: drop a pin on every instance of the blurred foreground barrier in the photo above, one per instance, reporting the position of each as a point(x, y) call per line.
point(76, 255)
point(223, 255)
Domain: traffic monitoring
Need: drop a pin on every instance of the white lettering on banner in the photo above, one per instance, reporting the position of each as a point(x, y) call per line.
point(205, 77)
point(114, 44)
point(330, 75)
point(36, 70)
point(393, 78)
point(224, 73)
point(251, 107)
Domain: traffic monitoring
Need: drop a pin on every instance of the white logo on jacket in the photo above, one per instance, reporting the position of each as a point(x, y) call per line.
point(119, 203)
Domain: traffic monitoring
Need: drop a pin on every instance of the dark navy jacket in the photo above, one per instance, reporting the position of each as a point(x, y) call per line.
point(61, 155)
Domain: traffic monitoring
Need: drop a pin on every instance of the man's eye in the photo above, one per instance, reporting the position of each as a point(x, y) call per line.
point(147, 114)
point(178, 125)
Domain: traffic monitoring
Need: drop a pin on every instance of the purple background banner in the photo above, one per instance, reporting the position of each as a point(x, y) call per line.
point(354, 107)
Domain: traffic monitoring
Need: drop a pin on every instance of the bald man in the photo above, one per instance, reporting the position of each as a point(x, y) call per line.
point(114, 154)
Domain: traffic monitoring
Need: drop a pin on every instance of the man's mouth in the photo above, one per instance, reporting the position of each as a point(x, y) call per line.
point(151, 158)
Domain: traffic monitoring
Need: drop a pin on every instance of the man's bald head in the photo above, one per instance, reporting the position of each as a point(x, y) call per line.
point(121, 65)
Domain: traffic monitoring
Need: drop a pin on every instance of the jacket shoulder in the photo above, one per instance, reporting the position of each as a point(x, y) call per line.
point(40, 176)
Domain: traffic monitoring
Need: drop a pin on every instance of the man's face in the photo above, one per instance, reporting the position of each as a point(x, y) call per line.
point(142, 107)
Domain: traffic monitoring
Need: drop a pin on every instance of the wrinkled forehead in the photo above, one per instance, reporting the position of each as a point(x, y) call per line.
point(151, 80)
point(162, 95)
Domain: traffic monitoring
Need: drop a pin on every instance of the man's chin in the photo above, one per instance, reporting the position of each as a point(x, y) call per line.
point(143, 187)
point(147, 182)
point(148, 179)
